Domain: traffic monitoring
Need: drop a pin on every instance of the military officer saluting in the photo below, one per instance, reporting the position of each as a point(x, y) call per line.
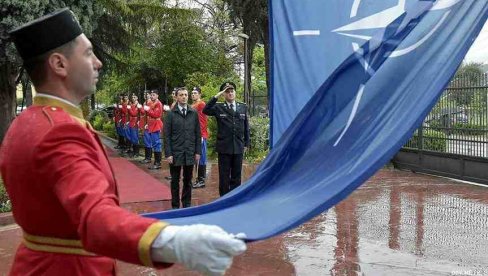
point(232, 135)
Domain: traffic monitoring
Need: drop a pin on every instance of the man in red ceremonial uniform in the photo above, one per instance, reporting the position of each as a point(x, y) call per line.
point(133, 132)
point(199, 105)
point(65, 197)
point(155, 124)
point(143, 125)
point(117, 120)
point(124, 122)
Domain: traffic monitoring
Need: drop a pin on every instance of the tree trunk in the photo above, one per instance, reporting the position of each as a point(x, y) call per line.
point(28, 94)
point(26, 91)
point(7, 97)
point(92, 102)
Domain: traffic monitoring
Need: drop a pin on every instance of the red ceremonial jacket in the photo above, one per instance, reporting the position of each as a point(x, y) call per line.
point(133, 115)
point(154, 122)
point(143, 120)
point(123, 113)
point(64, 196)
point(117, 116)
point(202, 118)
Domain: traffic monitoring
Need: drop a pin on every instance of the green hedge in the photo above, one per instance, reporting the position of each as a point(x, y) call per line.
point(97, 113)
point(101, 122)
point(98, 121)
point(467, 129)
point(259, 139)
point(212, 137)
point(5, 204)
point(109, 129)
point(433, 140)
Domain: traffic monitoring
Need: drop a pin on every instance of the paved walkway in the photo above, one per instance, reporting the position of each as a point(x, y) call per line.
point(398, 223)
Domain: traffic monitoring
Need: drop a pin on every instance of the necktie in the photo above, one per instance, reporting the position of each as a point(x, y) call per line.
point(184, 111)
point(231, 107)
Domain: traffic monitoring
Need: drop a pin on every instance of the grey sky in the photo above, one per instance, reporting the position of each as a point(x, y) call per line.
point(479, 50)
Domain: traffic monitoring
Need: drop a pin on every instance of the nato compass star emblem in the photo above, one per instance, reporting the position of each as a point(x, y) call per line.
point(378, 22)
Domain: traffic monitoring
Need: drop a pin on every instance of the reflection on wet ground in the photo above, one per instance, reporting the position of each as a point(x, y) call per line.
point(398, 223)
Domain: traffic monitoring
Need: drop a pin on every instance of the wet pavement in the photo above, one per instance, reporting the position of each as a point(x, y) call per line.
point(398, 223)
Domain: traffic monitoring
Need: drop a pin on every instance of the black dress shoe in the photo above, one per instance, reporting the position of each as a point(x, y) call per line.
point(145, 161)
point(168, 177)
point(156, 166)
point(199, 184)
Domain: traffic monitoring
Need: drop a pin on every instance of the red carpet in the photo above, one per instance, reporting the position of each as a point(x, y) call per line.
point(135, 185)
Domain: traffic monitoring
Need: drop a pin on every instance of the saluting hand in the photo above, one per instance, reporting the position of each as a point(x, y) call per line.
point(222, 92)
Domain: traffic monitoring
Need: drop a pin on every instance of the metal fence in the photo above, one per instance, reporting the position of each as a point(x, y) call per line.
point(458, 123)
point(259, 106)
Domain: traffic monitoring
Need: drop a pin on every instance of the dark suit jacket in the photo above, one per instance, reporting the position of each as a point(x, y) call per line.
point(182, 138)
point(232, 127)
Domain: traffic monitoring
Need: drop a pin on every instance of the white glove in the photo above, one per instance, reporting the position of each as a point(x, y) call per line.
point(128, 107)
point(120, 106)
point(204, 248)
point(115, 105)
point(146, 107)
point(139, 105)
point(166, 108)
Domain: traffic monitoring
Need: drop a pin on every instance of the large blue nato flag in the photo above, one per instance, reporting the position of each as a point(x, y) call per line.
point(351, 81)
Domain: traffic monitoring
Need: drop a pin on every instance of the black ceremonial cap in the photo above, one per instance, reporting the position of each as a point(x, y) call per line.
point(46, 33)
point(227, 83)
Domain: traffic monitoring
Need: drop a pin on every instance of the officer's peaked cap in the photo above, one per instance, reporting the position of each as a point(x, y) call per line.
point(227, 83)
point(46, 33)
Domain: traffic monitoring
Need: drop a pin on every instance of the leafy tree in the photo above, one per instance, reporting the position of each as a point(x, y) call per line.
point(169, 45)
point(253, 16)
point(468, 75)
point(14, 13)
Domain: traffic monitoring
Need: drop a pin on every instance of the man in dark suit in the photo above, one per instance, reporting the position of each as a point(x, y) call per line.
point(232, 135)
point(182, 140)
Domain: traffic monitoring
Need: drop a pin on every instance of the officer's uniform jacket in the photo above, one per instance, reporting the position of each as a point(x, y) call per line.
point(232, 127)
point(64, 196)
